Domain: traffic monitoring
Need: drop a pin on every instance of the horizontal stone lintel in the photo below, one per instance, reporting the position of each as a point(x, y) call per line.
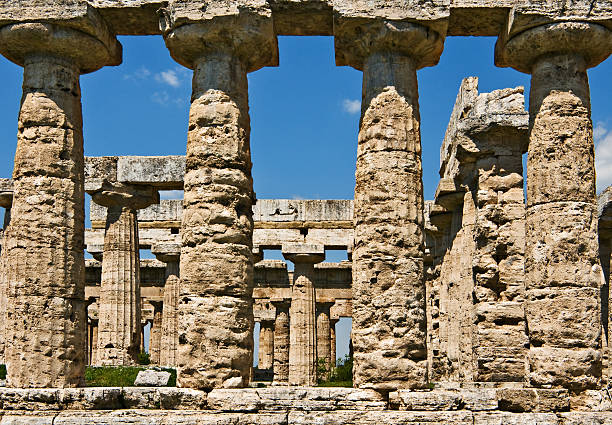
point(465, 17)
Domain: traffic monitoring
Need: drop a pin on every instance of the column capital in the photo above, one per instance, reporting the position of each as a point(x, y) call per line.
point(591, 41)
point(135, 197)
point(167, 252)
point(304, 253)
point(356, 41)
point(192, 33)
point(89, 51)
point(6, 193)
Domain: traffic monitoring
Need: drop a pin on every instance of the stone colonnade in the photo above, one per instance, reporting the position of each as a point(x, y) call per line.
point(45, 312)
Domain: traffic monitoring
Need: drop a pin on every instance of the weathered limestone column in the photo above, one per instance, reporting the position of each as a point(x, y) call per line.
point(281, 342)
point(324, 333)
point(120, 305)
point(563, 274)
point(46, 322)
point(332, 341)
point(6, 200)
point(93, 342)
point(156, 333)
point(266, 344)
point(302, 316)
point(169, 254)
point(215, 315)
point(389, 326)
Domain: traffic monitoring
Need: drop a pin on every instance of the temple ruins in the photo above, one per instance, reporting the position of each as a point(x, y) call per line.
point(486, 305)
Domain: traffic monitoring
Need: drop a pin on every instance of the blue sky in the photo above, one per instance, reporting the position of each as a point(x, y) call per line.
point(304, 113)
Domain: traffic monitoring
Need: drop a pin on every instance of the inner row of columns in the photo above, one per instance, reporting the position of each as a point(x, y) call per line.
point(45, 312)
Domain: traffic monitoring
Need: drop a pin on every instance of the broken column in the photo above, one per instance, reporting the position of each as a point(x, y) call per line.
point(481, 275)
point(43, 247)
point(156, 333)
point(215, 315)
point(119, 332)
point(389, 326)
point(169, 254)
point(562, 267)
point(324, 334)
point(303, 326)
point(281, 342)
point(266, 344)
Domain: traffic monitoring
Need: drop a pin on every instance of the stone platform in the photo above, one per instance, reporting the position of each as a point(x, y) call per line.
point(302, 405)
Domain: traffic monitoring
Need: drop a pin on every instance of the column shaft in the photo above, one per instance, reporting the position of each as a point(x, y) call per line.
point(156, 333)
point(217, 231)
point(169, 342)
point(389, 329)
point(266, 345)
point(281, 343)
point(323, 335)
point(43, 247)
point(562, 273)
point(303, 328)
point(119, 333)
point(332, 341)
point(94, 344)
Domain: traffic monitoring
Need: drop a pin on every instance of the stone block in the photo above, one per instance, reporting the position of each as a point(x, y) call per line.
point(352, 417)
point(440, 400)
point(533, 400)
point(152, 378)
point(164, 172)
point(498, 418)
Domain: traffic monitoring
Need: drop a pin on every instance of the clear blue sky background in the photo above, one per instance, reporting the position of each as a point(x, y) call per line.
point(304, 113)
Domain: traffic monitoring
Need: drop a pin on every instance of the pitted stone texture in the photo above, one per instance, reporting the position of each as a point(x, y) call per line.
point(152, 378)
point(215, 314)
point(533, 400)
point(43, 248)
point(351, 417)
point(389, 324)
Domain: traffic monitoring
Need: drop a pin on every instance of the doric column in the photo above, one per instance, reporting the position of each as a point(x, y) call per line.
point(266, 344)
point(46, 321)
point(389, 326)
point(169, 254)
point(93, 341)
point(561, 259)
point(6, 200)
point(281, 342)
point(216, 317)
point(323, 333)
point(302, 316)
point(332, 341)
point(156, 333)
point(119, 306)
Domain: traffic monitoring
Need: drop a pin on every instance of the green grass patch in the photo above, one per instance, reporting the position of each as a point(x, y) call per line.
point(119, 376)
point(339, 376)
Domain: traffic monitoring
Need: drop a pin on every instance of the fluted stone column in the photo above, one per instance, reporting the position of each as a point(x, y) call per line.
point(156, 333)
point(562, 268)
point(119, 331)
point(389, 326)
point(93, 342)
point(6, 200)
point(332, 341)
point(266, 345)
point(302, 316)
point(324, 333)
point(281, 342)
point(215, 315)
point(44, 274)
point(169, 254)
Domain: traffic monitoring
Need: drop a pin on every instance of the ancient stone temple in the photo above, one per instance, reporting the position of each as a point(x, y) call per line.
point(487, 305)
